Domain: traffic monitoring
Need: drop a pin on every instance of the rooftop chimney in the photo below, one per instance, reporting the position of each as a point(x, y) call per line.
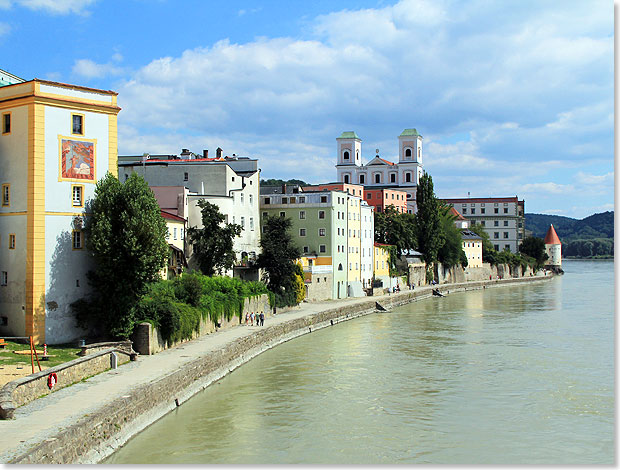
point(205, 153)
point(218, 153)
point(284, 189)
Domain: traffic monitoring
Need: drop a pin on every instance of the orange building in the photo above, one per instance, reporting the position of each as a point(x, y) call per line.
point(381, 198)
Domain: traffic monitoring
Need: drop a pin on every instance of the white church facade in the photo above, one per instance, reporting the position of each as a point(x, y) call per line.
point(378, 172)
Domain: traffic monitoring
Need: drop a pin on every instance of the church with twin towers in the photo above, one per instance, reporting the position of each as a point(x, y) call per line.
point(379, 173)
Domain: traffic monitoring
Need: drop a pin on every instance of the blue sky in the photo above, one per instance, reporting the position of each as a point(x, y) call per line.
point(512, 98)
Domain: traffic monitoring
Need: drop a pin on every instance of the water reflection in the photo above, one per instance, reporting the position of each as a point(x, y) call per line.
point(515, 375)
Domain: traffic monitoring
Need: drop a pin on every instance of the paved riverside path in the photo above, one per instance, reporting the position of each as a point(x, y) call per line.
point(41, 419)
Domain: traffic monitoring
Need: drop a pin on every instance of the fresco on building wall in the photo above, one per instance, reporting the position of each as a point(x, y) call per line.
point(77, 160)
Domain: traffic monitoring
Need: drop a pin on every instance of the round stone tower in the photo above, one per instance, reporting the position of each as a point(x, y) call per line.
point(553, 248)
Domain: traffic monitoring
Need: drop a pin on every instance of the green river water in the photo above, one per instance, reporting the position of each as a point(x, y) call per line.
point(510, 375)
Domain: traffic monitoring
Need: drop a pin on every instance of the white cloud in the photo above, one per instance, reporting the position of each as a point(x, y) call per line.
point(90, 69)
point(528, 86)
point(58, 7)
point(596, 180)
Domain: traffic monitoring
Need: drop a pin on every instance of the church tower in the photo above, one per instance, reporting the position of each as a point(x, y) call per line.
point(410, 157)
point(349, 157)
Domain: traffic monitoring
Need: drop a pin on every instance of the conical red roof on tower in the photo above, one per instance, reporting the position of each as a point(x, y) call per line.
point(552, 238)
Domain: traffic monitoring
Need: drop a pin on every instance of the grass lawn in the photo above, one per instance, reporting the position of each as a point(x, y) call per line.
point(61, 353)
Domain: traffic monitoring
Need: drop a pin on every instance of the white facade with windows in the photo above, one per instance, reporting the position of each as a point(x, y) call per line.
point(379, 172)
point(503, 219)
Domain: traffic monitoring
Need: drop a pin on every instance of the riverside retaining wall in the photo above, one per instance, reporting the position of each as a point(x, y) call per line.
point(96, 436)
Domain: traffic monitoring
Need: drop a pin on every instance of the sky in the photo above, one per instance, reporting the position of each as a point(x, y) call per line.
point(511, 98)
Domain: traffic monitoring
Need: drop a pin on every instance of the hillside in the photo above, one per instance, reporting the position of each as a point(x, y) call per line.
point(599, 225)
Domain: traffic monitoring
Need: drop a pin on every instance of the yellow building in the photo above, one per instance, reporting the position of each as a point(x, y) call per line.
point(472, 246)
point(56, 142)
point(176, 241)
point(382, 262)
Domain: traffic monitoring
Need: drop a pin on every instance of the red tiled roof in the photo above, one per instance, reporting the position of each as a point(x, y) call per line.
point(456, 214)
point(169, 216)
point(480, 199)
point(384, 160)
point(552, 238)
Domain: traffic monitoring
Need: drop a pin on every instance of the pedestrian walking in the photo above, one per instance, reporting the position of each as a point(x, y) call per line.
point(252, 319)
point(262, 318)
point(247, 318)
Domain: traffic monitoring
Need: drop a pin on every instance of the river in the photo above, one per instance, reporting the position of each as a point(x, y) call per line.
point(512, 375)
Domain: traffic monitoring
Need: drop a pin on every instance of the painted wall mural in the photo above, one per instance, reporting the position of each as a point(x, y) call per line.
point(77, 159)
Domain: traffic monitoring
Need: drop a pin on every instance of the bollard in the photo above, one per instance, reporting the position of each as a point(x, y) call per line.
point(113, 361)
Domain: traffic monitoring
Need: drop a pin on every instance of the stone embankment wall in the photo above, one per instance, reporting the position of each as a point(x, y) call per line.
point(458, 274)
point(147, 340)
point(25, 389)
point(96, 436)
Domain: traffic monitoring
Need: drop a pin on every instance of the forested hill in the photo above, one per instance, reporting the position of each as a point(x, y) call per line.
point(592, 237)
point(599, 225)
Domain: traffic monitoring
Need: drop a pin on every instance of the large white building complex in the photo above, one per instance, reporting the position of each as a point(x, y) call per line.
point(231, 183)
point(56, 142)
point(503, 218)
point(379, 173)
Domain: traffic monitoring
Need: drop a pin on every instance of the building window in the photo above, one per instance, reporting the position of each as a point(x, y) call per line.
point(306, 249)
point(464, 210)
point(505, 210)
point(6, 123)
point(362, 179)
point(77, 240)
point(346, 179)
point(265, 214)
point(6, 195)
point(496, 210)
point(496, 223)
point(506, 247)
point(186, 176)
point(473, 210)
point(4, 278)
point(242, 199)
point(323, 198)
point(174, 233)
point(407, 177)
point(393, 178)
point(483, 223)
point(243, 223)
point(77, 195)
point(408, 154)
point(302, 199)
point(505, 223)
point(321, 248)
point(496, 247)
point(11, 241)
point(495, 234)
point(302, 232)
point(346, 155)
point(266, 200)
point(321, 232)
point(321, 214)
point(368, 195)
point(505, 234)
point(377, 178)
point(77, 124)
point(482, 210)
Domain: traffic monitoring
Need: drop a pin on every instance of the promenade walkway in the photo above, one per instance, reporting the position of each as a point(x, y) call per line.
point(41, 419)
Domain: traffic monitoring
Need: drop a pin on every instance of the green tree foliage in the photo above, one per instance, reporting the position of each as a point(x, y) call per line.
point(176, 306)
point(395, 228)
point(594, 248)
point(213, 243)
point(451, 252)
point(126, 236)
point(599, 225)
point(534, 247)
point(427, 221)
point(277, 258)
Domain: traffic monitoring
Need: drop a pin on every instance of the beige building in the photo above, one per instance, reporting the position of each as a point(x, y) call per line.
point(472, 246)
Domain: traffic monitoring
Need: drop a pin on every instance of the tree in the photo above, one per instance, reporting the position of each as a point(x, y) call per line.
point(213, 243)
point(534, 247)
point(277, 258)
point(427, 223)
point(395, 228)
point(126, 235)
point(451, 252)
